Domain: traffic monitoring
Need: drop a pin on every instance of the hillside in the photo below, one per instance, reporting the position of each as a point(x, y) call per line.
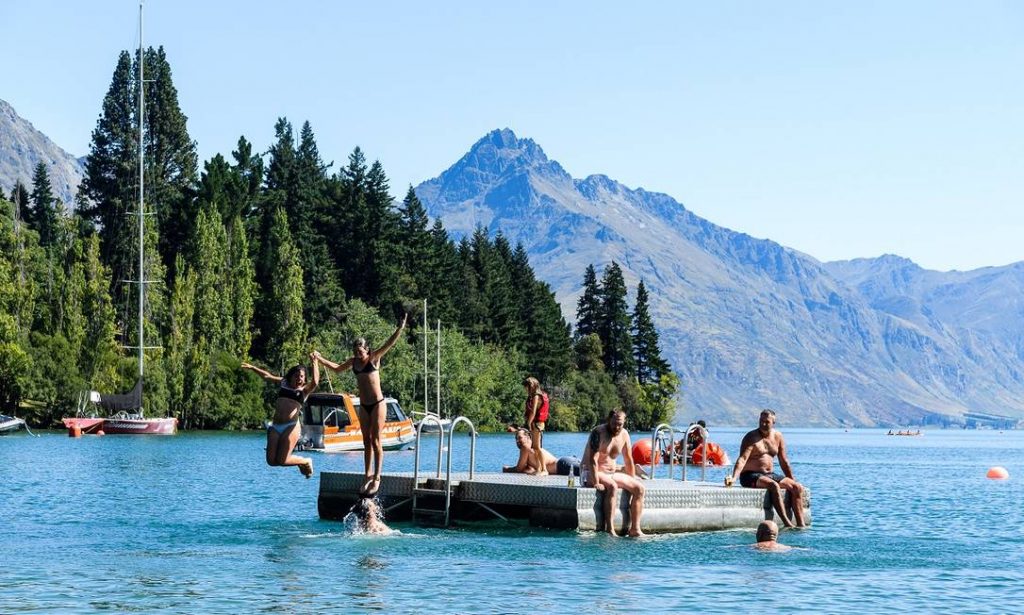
point(22, 147)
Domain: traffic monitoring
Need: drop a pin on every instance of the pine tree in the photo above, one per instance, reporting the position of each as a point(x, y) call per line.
point(287, 332)
point(614, 324)
point(171, 160)
point(241, 283)
point(180, 342)
point(209, 262)
point(415, 249)
point(650, 366)
point(348, 238)
point(44, 210)
point(588, 307)
point(445, 290)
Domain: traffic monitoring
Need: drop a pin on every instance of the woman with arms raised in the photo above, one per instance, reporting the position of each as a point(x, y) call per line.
point(284, 430)
point(365, 364)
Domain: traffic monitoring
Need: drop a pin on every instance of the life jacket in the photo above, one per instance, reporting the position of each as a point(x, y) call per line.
point(542, 411)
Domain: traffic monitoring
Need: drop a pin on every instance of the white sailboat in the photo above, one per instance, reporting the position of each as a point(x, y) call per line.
point(128, 416)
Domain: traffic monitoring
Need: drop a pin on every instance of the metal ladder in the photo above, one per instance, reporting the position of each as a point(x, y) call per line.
point(419, 491)
point(672, 431)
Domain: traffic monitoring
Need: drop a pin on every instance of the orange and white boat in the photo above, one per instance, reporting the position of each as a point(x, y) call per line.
point(330, 424)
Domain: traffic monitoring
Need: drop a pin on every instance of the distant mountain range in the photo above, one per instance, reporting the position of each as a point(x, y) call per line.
point(749, 323)
point(22, 147)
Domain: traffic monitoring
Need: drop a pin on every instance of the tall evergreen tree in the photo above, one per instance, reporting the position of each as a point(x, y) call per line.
point(614, 324)
point(650, 366)
point(171, 160)
point(349, 230)
point(445, 290)
point(209, 260)
point(287, 332)
point(588, 307)
point(415, 249)
point(44, 209)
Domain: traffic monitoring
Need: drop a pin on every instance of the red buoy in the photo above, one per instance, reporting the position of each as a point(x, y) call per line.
point(998, 473)
point(642, 452)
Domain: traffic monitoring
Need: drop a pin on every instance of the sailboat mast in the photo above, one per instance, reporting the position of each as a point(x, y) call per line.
point(142, 195)
point(437, 384)
point(426, 388)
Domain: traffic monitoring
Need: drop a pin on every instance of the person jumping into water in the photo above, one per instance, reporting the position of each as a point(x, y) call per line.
point(365, 364)
point(757, 453)
point(284, 430)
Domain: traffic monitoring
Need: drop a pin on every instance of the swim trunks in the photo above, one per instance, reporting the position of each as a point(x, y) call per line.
point(749, 479)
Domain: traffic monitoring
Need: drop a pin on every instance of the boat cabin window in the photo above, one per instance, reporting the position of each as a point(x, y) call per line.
point(395, 413)
point(337, 416)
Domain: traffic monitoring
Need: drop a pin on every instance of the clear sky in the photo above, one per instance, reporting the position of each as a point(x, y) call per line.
point(841, 129)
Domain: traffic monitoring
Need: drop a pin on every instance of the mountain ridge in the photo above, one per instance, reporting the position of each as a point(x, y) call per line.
point(748, 322)
point(22, 147)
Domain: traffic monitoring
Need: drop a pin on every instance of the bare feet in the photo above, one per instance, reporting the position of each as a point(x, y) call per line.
point(373, 486)
point(611, 530)
point(306, 468)
point(366, 485)
point(636, 533)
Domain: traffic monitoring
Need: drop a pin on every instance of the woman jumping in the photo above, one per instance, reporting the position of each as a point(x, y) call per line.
point(365, 364)
point(284, 430)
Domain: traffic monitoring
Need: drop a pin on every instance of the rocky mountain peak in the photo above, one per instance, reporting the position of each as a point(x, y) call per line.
point(22, 147)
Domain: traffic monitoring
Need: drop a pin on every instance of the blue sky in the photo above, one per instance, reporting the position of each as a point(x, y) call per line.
point(839, 129)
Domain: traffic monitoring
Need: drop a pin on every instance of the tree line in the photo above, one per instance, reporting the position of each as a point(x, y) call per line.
point(265, 256)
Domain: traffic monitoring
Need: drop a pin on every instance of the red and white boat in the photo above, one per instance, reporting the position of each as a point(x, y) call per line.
point(127, 417)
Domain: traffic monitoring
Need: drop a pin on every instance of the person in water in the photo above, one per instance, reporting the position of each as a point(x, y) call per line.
point(369, 517)
point(604, 445)
point(284, 429)
point(365, 364)
point(755, 468)
point(527, 463)
point(536, 417)
point(768, 537)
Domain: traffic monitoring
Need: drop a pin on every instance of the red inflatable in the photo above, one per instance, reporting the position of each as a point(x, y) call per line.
point(642, 452)
point(716, 456)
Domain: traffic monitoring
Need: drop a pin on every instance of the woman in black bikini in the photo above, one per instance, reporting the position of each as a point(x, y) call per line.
point(283, 432)
point(365, 364)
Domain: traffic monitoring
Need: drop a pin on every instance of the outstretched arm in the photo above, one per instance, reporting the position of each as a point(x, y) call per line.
point(262, 373)
point(383, 350)
point(315, 382)
point(331, 365)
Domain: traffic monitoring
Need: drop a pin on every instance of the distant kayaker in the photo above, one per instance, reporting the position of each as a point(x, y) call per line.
point(365, 364)
point(284, 429)
point(756, 461)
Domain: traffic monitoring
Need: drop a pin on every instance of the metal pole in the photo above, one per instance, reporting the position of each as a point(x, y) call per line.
point(437, 383)
point(426, 388)
point(142, 194)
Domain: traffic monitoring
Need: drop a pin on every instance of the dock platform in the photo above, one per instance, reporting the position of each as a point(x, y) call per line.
point(547, 501)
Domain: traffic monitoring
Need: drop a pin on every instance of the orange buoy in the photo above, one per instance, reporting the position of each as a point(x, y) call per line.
point(75, 431)
point(642, 452)
point(101, 433)
point(997, 473)
point(716, 456)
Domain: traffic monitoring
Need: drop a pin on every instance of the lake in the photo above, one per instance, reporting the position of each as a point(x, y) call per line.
point(198, 523)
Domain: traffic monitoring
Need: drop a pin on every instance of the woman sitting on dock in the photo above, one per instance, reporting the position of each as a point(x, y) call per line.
point(284, 430)
point(365, 364)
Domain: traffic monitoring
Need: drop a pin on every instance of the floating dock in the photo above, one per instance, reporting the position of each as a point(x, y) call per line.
point(547, 501)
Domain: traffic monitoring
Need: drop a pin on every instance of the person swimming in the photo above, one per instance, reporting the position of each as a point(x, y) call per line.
point(368, 517)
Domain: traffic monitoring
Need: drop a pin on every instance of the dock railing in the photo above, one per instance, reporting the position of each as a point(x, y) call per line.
point(671, 448)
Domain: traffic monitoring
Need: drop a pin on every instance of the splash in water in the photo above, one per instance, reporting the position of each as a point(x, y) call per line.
point(367, 517)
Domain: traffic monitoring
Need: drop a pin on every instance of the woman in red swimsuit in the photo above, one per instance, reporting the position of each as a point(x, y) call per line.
point(365, 364)
point(536, 417)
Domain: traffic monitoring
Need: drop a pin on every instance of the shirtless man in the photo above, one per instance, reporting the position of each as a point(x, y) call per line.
point(757, 452)
point(527, 463)
point(768, 537)
point(605, 444)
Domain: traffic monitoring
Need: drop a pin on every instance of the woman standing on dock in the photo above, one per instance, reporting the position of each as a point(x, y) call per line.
point(536, 417)
point(284, 430)
point(365, 364)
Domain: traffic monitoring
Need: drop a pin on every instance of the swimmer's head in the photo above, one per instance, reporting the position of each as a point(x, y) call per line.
point(767, 531)
point(523, 438)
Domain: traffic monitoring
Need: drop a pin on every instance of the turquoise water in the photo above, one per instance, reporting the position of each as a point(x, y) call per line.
point(197, 523)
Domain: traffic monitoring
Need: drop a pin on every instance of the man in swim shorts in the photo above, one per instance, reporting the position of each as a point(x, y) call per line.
point(755, 468)
point(527, 463)
point(605, 444)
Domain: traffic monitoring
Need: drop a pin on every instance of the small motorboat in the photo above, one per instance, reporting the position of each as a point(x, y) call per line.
point(330, 423)
point(10, 424)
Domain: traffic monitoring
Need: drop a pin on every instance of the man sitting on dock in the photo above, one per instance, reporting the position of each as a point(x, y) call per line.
point(604, 445)
point(527, 463)
point(756, 460)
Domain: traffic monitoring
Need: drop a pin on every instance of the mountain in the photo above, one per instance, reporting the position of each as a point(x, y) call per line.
point(22, 147)
point(749, 323)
